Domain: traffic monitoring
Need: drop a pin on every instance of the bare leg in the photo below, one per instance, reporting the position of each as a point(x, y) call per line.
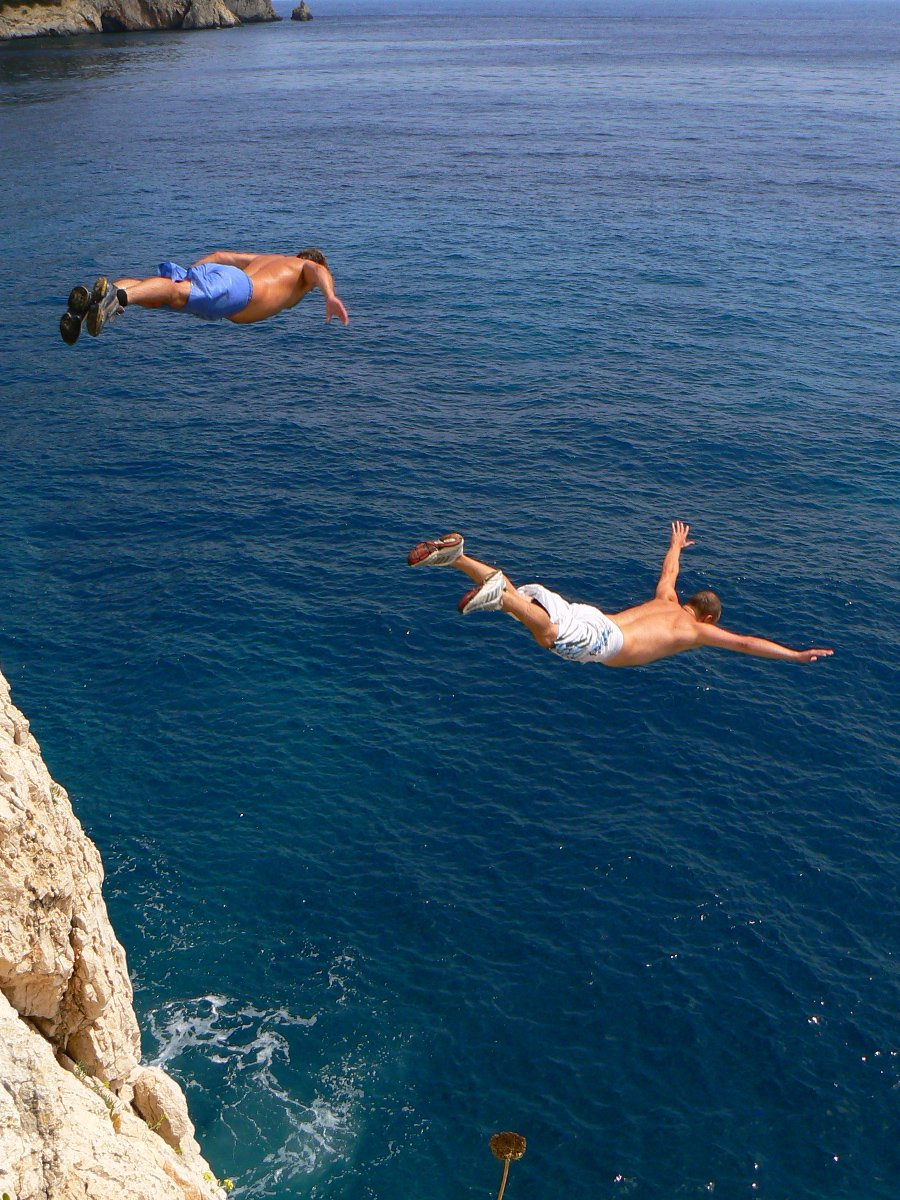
point(535, 618)
point(525, 610)
point(156, 292)
point(476, 571)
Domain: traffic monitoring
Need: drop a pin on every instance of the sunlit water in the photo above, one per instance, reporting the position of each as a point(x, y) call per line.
point(391, 880)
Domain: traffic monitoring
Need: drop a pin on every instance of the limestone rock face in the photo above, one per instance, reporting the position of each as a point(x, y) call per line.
point(160, 1101)
point(35, 19)
point(301, 12)
point(209, 14)
point(60, 1139)
point(69, 1039)
point(250, 11)
point(60, 962)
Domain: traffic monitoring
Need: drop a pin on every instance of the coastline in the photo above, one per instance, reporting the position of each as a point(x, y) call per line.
point(388, 880)
point(77, 1104)
point(124, 16)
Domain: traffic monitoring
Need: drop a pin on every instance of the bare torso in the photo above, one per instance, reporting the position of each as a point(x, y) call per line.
point(656, 629)
point(278, 283)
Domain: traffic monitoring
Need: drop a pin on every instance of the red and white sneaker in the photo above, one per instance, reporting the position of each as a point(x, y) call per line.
point(440, 552)
point(486, 598)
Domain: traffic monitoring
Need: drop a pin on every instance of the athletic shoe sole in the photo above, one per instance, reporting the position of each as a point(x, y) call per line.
point(440, 552)
point(71, 321)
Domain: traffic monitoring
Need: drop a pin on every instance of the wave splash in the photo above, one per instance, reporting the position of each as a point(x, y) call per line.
point(269, 1090)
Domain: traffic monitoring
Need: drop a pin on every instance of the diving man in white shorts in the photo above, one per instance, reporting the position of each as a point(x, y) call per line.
point(581, 633)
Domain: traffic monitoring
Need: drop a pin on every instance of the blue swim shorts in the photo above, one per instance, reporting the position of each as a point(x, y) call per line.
point(216, 292)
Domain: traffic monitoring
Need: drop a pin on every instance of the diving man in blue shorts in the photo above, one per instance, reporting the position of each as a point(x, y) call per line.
point(226, 285)
point(581, 633)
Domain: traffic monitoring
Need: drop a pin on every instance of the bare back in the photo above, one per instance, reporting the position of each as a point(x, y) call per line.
point(278, 283)
point(656, 629)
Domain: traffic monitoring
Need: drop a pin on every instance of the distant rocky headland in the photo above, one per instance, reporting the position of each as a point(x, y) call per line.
point(42, 18)
point(80, 1117)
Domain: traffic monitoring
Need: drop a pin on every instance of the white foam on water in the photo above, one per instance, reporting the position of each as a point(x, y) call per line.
point(321, 1132)
point(339, 976)
point(242, 1053)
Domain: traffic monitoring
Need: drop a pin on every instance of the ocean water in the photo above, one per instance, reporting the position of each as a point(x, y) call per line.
point(391, 880)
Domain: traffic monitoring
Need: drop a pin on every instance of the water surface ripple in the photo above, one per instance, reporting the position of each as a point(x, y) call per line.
point(391, 881)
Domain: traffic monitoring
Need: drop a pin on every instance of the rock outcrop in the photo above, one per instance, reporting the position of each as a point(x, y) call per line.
point(247, 10)
point(79, 1116)
point(301, 12)
point(43, 17)
point(209, 14)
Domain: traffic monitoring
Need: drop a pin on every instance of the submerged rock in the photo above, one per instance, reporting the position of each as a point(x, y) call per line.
point(301, 12)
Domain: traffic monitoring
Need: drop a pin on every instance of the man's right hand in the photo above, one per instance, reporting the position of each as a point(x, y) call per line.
point(810, 656)
point(335, 308)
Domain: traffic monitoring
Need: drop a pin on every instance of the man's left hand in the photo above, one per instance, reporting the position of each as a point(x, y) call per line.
point(680, 533)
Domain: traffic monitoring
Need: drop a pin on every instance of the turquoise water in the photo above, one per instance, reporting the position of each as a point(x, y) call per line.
point(390, 881)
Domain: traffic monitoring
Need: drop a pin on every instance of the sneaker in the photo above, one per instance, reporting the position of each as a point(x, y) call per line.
point(440, 552)
point(486, 598)
point(71, 321)
point(105, 305)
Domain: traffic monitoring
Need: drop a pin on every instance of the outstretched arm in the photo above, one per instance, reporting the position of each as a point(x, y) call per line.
point(668, 577)
point(227, 258)
point(712, 635)
point(315, 275)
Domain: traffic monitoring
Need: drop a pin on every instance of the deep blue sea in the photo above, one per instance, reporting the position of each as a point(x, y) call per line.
point(391, 880)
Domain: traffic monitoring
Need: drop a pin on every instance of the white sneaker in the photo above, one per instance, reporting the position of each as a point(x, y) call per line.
point(485, 598)
point(440, 552)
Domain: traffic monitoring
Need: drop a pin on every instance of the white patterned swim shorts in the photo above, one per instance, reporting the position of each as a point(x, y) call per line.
point(585, 633)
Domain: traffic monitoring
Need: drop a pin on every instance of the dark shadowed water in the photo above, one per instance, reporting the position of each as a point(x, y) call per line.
point(390, 880)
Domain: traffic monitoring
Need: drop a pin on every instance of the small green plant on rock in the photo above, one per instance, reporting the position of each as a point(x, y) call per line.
point(226, 1184)
point(101, 1088)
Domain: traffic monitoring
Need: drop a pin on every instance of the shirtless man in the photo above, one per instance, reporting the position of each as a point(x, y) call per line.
point(242, 288)
point(634, 637)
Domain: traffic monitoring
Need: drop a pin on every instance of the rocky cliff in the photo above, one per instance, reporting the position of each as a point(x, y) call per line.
point(79, 1116)
point(117, 16)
